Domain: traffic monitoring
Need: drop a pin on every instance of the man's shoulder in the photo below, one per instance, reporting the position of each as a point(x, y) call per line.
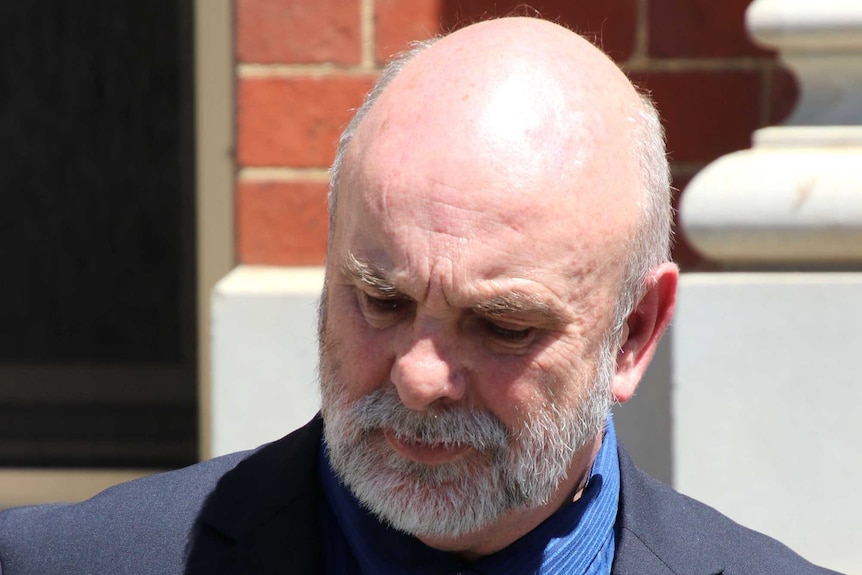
point(156, 512)
point(142, 526)
point(678, 534)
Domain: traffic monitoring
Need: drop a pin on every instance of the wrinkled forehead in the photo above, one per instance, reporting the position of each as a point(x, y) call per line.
point(465, 205)
point(498, 142)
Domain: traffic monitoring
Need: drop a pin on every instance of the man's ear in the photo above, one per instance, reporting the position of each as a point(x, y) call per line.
point(643, 329)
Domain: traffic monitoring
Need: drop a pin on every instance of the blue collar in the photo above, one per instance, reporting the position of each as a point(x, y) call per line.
point(577, 538)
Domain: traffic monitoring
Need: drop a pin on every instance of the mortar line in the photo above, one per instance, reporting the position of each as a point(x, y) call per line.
point(294, 70)
point(282, 174)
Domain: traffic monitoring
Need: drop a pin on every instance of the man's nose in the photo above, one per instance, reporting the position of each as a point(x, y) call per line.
point(427, 372)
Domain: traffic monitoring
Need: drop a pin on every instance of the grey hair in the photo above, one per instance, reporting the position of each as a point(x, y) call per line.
point(651, 242)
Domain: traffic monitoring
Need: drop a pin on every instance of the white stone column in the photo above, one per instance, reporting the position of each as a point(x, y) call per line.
point(796, 196)
point(766, 387)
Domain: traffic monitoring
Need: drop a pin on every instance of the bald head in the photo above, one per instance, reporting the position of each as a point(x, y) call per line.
point(527, 102)
point(511, 82)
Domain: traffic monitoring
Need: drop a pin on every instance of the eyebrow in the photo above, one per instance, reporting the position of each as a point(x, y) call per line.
point(507, 304)
point(520, 303)
point(370, 275)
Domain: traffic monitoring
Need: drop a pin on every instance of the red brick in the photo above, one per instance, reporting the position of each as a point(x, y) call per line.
point(281, 223)
point(611, 23)
point(783, 94)
point(298, 31)
point(706, 114)
point(294, 121)
point(398, 22)
point(699, 29)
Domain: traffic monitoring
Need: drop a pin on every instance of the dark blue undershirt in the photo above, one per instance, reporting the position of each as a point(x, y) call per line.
point(578, 538)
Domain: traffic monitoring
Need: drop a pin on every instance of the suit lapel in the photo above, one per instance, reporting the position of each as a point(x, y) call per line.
point(262, 515)
point(632, 557)
point(654, 534)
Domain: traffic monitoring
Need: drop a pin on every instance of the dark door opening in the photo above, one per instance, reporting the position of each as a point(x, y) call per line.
point(98, 361)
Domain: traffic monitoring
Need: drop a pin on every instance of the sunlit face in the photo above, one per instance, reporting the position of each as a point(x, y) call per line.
point(466, 353)
point(460, 374)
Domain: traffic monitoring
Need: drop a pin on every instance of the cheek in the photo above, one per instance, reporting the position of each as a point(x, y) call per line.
point(515, 392)
point(361, 353)
point(510, 389)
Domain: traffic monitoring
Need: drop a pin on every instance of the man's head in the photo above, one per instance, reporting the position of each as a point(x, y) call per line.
point(496, 276)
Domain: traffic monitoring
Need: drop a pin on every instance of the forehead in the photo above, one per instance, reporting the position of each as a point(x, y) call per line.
point(469, 233)
point(504, 172)
point(457, 202)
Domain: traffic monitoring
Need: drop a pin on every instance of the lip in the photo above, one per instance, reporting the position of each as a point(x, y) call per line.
point(424, 452)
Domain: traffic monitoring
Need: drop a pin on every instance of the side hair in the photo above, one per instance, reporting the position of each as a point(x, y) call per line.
point(651, 244)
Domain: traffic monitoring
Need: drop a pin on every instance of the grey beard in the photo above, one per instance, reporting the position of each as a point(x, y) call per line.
point(507, 470)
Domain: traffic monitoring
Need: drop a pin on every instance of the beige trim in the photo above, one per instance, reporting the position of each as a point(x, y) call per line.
point(283, 175)
point(300, 70)
point(214, 109)
point(33, 486)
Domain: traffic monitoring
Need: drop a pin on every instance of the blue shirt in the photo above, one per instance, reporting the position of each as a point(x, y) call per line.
point(577, 538)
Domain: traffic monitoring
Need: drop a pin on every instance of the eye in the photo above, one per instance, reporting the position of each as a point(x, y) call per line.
point(381, 312)
point(382, 305)
point(510, 335)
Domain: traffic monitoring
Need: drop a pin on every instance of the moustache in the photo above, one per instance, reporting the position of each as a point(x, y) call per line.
point(451, 426)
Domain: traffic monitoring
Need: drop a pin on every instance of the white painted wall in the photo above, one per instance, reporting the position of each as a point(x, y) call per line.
point(264, 380)
point(766, 397)
point(644, 423)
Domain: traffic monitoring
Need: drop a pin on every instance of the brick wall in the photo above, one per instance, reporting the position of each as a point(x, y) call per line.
point(302, 66)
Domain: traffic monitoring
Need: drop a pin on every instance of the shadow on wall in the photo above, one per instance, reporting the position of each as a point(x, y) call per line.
point(644, 424)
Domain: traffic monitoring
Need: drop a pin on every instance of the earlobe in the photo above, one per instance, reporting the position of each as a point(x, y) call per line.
point(643, 330)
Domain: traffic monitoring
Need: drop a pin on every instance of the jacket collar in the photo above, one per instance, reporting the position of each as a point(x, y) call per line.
point(654, 531)
point(262, 515)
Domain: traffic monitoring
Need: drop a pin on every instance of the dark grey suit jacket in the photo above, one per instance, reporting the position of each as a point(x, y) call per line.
point(256, 512)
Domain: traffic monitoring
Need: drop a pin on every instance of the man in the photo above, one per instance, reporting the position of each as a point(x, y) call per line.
point(497, 276)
